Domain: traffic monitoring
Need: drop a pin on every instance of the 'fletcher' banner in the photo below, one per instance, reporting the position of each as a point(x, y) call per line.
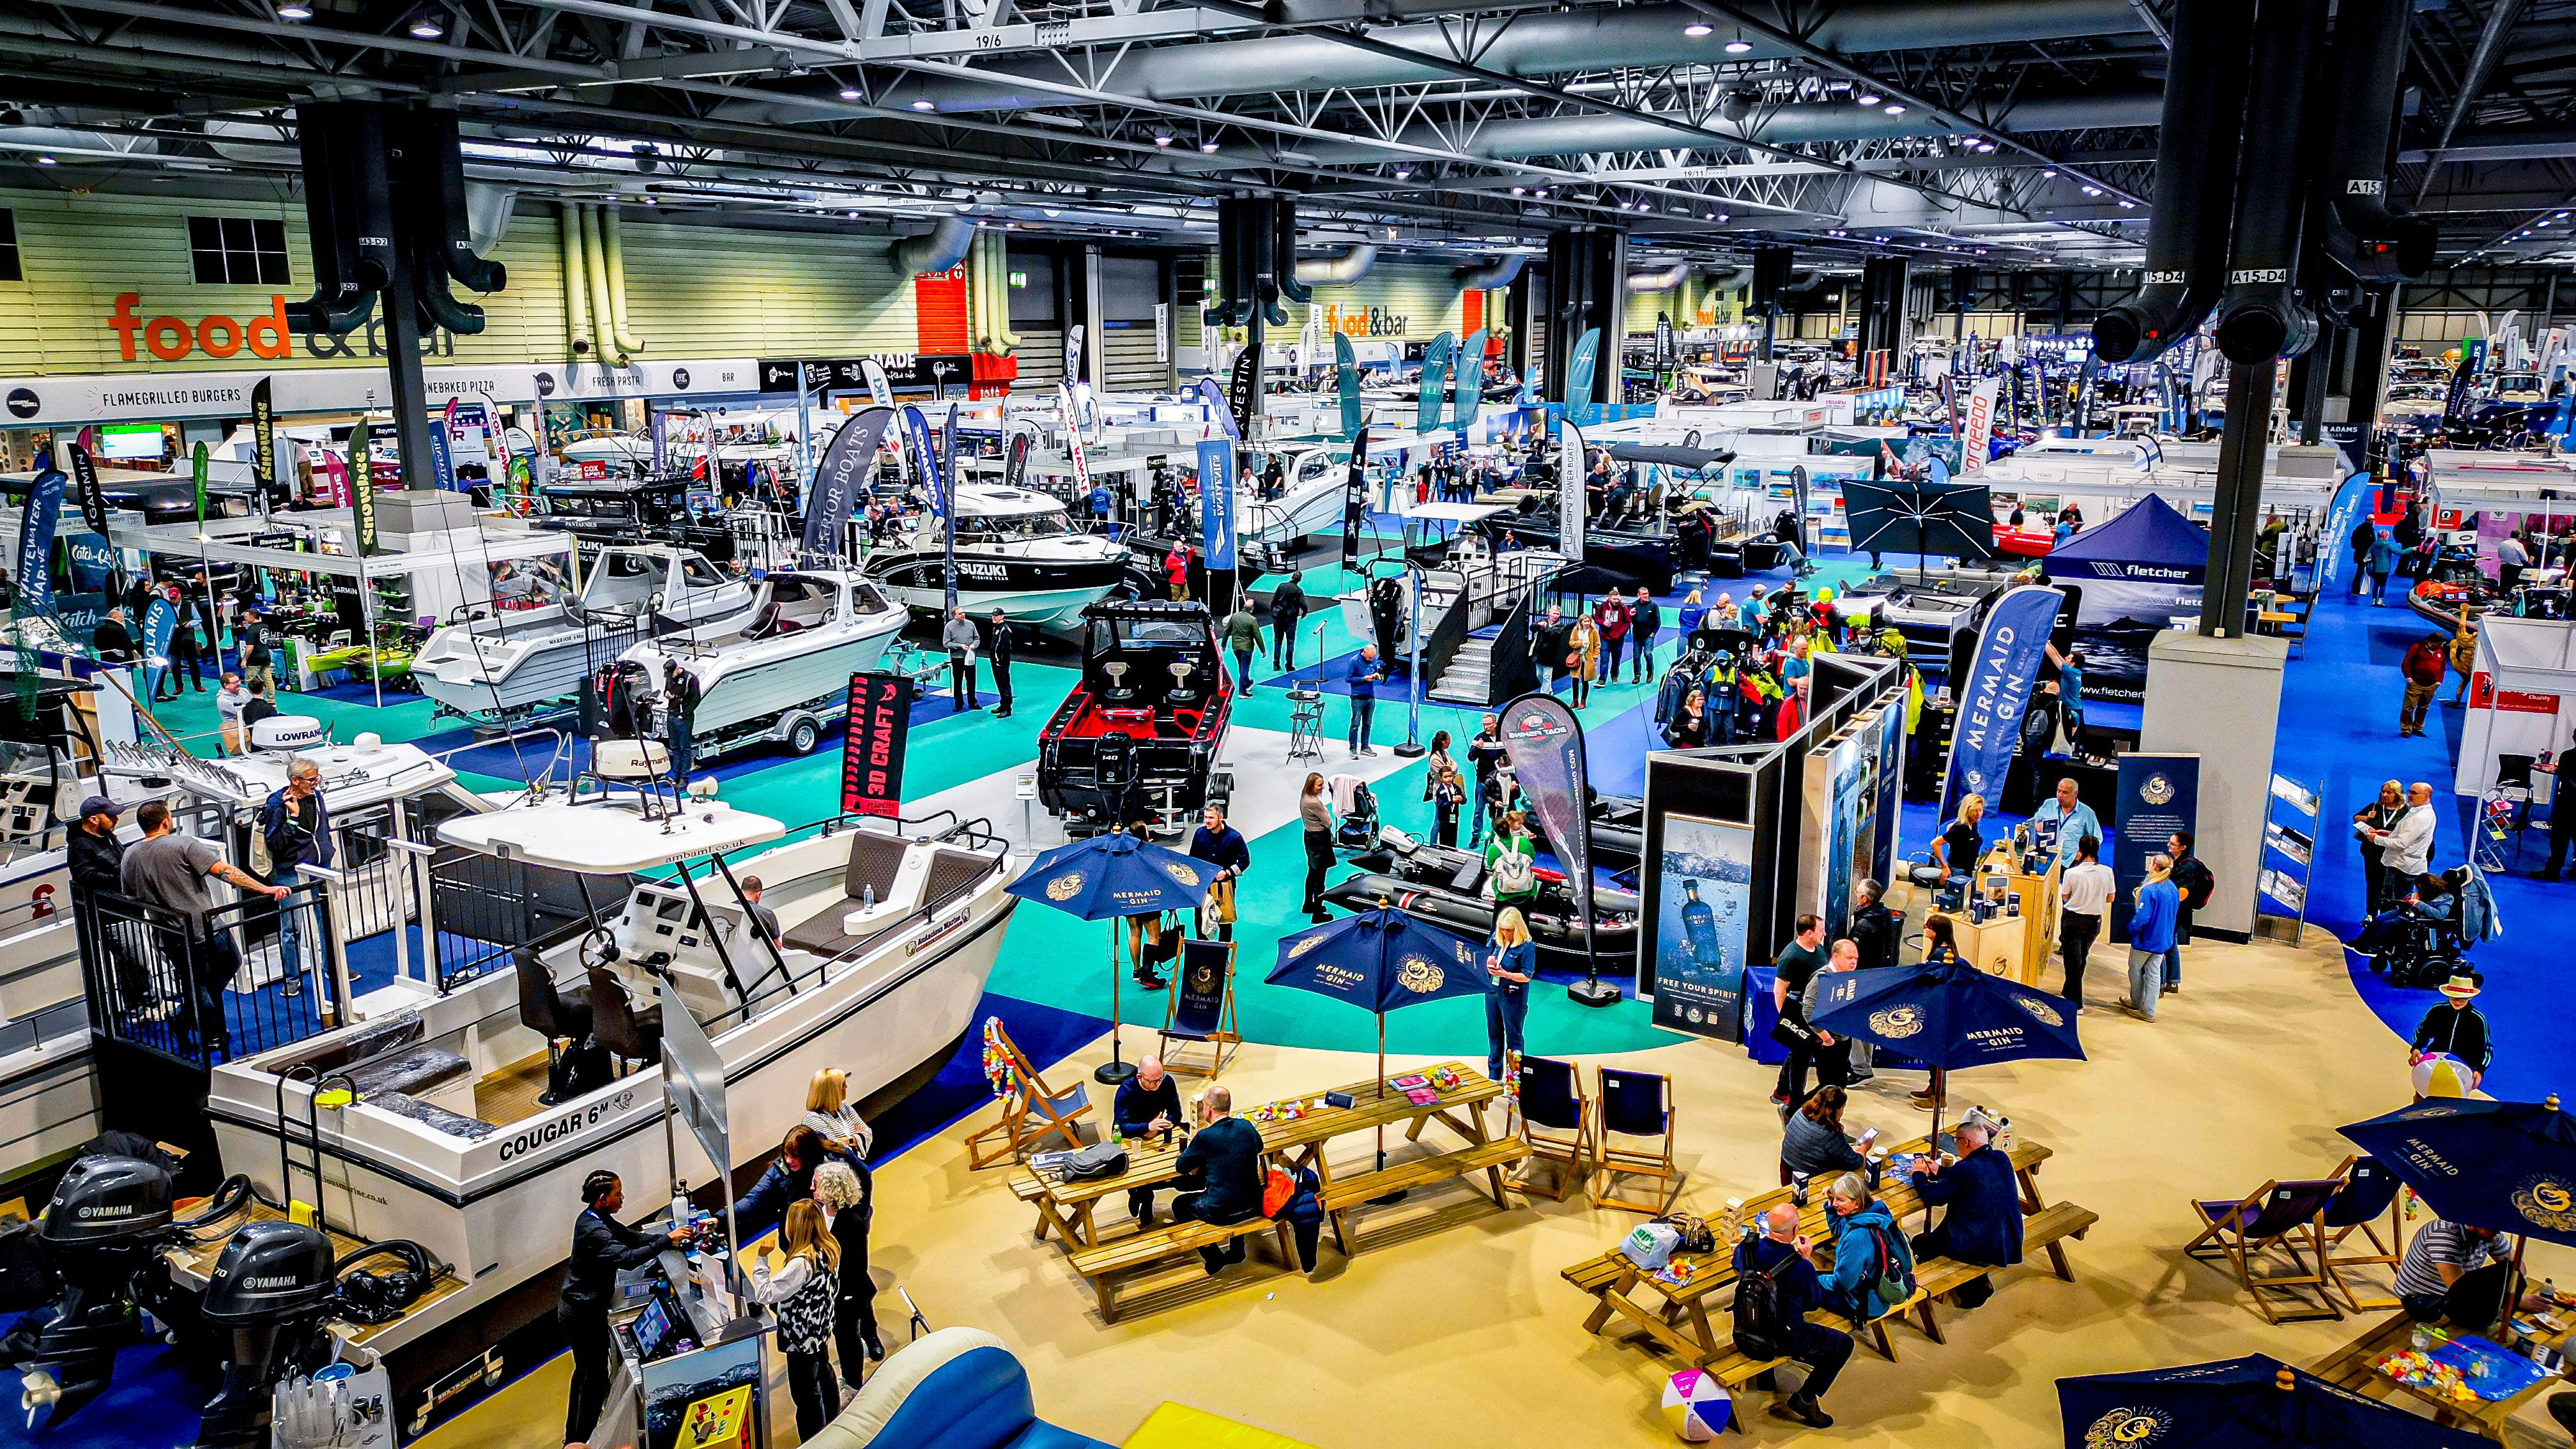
point(841, 478)
point(1545, 745)
point(872, 747)
point(1216, 501)
point(2000, 676)
point(925, 454)
point(36, 542)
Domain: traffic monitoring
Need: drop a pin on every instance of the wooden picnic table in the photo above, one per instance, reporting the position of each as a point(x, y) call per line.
point(1683, 1325)
point(2352, 1367)
point(1067, 1208)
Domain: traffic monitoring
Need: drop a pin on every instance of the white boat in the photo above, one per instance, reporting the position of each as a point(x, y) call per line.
point(488, 664)
point(779, 670)
point(1017, 551)
point(1314, 488)
point(468, 1158)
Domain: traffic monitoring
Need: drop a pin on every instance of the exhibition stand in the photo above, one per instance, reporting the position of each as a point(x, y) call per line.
point(2132, 578)
point(2522, 697)
point(2216, 701)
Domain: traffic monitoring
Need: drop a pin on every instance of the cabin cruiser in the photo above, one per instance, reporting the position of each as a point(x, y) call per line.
point(608, 455)
point(1016, 552)
point(1312, 493)
point(778, 670)
point(2100, 465)
point(534, 650)
point(467, 1129)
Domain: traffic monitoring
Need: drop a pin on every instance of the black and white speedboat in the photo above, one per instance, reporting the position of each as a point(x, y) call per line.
point(1017, 551)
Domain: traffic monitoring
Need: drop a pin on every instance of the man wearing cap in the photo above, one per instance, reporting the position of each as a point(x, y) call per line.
point(95, 858)
point(2456, 1029)
point(1983, 1224)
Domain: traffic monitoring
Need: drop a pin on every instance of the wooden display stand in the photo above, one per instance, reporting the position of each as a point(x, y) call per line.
point(2016, 947)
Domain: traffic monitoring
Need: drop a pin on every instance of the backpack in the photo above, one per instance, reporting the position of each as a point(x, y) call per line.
point(2196, 882)
point(1277, 1187)
point(1894, 1283)
point(1515, 874)
point(1762, 1323)
point(1099, 1160)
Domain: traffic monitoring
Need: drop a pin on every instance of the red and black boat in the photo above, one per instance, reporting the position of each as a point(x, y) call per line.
point(1139, 735)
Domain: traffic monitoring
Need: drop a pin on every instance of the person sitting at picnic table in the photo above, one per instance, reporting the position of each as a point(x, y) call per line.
point(1147, 1103)
point(1983, 1224)
point(1785, 1253)
point(1814, 1143)
point(2458, 1272)
point(1219, 1175)
point(1868, 1247)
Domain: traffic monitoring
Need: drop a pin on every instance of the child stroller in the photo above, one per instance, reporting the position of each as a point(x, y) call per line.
point(1357, 805)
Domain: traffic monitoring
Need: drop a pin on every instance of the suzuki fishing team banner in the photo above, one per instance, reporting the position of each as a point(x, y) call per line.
point(872, 747)
point(1245, 389)
point(1346, 383)
point(948, 465)
point(2159, 794)
point(1569, 491)
point(36, 542)
point(1470, 393)
point(1545, 745)
point(2000, 676)
point(873, 373)
point(1073, 353)
point(841, 478)
point(1216, 501)
point(1435, 383)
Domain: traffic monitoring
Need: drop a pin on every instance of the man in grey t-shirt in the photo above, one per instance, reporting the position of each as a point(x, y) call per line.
point(177, 873)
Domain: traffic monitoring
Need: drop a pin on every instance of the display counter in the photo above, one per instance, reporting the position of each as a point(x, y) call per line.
point(690, 1360)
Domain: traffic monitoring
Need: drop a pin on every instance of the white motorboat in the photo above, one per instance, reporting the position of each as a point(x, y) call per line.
point(1017, 551)
point(779, 670)
point(455, 1139)
point(1312, 492)
point(492, 664)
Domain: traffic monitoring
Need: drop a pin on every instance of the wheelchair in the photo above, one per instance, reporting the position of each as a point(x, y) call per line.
point(2415, 952)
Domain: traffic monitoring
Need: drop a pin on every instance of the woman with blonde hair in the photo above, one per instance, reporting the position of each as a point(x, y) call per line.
point(847, 1191)
point(833, 1116)
point(1509, 966)
point(802, 1287)
point(1315, 810)
point(2151, 935)
point(1583, 656)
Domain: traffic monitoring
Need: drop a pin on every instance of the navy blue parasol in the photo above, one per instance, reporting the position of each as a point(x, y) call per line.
point(1947, 1015)
point(2240, 1403)
point(1107, 878)
point(1378, 961)
point(2509, 1166)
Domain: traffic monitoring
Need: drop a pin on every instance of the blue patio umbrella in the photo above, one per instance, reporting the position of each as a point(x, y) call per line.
point(2509, 1166)
point(2237, 1403)
point(1378, 961)
point(1107, 878)
point(1947, 1015)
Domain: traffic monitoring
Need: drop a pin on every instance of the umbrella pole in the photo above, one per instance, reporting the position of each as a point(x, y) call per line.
point(1398, 1194)
point(1115, 1071)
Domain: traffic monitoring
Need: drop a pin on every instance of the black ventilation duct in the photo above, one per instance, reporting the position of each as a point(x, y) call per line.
point(437, 238)
point(2263, 316)
point(1587, 289)
point(2369, 238)
point(1283, 256)
point(384, 187)
point(341, 300)
point(1256, 248)
point(1884, 282)
point(2186, 261)
point(1771, 266)
point(1963, 288)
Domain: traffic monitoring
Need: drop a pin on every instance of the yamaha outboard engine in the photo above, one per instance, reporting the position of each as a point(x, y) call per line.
point(268, 1294)
point(107, 1218)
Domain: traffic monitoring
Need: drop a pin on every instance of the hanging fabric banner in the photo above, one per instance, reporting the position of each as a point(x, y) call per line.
point(1544, 743)
point(1346, 383)
point(947, 492)
point(362, 490)
point(873, 373)
point(841, 479)
point(93, 498)
point(873, 743)
point(1579, 366)
point(1016, 465)
point(263, 442)
point(2000, 676)
point(1470, 386)
point(1213, 399)
point(1355, 499)
point(1435, 383)
point(1569, 491)
point(1245, 390)
point(160, 626)
point(36, 525)
point(1216, 501)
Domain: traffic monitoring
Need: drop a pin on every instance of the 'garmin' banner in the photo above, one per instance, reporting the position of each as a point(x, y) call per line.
point(841, 478)
point(1995, 692)
point(1216, 501)
point(93, 498)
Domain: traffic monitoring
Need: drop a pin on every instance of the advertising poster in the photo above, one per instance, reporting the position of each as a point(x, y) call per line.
point(1884, 852)
point(1841, 799)
point(1706, 874)
point(1216, 501)
point(872, 745)
point(2159, 794)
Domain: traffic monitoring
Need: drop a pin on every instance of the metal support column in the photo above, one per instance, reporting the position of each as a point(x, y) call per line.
point(2238, 513)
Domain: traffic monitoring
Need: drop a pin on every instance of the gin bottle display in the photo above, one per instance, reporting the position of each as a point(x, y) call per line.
point(1699, 929)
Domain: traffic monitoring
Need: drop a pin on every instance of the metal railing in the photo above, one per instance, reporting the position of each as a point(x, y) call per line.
point(253, 976)
point(486, 908)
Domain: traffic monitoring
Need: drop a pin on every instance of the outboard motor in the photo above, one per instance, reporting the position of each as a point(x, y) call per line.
point(268, 1293)
point(107, 1218)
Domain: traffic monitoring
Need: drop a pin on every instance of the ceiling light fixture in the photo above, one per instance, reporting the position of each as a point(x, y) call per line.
point(1161, 140)
point(294, 10)
point(1207, 148)
point(925, 104)
point(1402, 172)
point(1697, 30)
point(1867, 97)
point(2048, 174)
point(44, 160)
point(1516, 191)
point(1739, 46)
point(849, 93)
point(427, 26)
point(1893, 109)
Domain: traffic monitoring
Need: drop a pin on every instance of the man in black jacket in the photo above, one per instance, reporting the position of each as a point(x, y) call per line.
point(1784, 1254)
point(2456, 1029)
point(997, 648)
point(2193, 880)
point(1220, 1176)
point(111, 641)
point(601, 1245)
point(1287, 606)
point(96, 861)
point(1874, 928)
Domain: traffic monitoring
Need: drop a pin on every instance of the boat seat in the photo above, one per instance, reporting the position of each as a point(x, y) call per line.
point(411, 1072)
point(1470, 878)
point(375, 1038)
point(876, 858)
point(930, 879)
point(435, 1118)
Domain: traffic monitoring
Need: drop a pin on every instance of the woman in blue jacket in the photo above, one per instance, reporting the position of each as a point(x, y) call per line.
point(1510, 962)
point(2151, 935)
point(1866, 1239)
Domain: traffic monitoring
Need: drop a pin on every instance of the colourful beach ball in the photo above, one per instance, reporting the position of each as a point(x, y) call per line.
point(1695, 1404)
point(2441, 1075)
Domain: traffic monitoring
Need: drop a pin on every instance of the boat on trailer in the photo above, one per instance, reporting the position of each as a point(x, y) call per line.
point(779, 670)
point(455, 1139)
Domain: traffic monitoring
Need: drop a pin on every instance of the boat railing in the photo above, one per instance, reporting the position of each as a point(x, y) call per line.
point(156, 979)
point(777, 985)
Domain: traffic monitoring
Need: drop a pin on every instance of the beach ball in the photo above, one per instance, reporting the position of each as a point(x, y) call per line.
point(1696, 1405)
point(2441, 1075)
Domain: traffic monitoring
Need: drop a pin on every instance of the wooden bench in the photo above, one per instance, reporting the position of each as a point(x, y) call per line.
point(1106, 1264)
point(2044, 1231)
point(1343, 1194)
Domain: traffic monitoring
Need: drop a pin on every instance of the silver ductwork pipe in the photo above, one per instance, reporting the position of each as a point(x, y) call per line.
point(1349, 267)
point(1497, 273)
point(1536, 43)
point(487, 214)
point(1663, 281)
point(944, 246)
point(1730, 279)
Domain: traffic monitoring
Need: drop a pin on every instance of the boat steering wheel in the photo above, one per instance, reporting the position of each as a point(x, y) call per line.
point(599, 948)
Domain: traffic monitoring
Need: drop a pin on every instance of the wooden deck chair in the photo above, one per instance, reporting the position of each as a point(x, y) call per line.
point(2369, 1193)
point(1201, 1009)
point(1032, 1111)
point(1556, 1122)
point(2287, 1218)
point(1638, 1106)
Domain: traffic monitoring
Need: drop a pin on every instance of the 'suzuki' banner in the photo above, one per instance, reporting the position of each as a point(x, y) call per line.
point(872, 749)
point(1997, 690)
point(840, 478)
point(1545, 745)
